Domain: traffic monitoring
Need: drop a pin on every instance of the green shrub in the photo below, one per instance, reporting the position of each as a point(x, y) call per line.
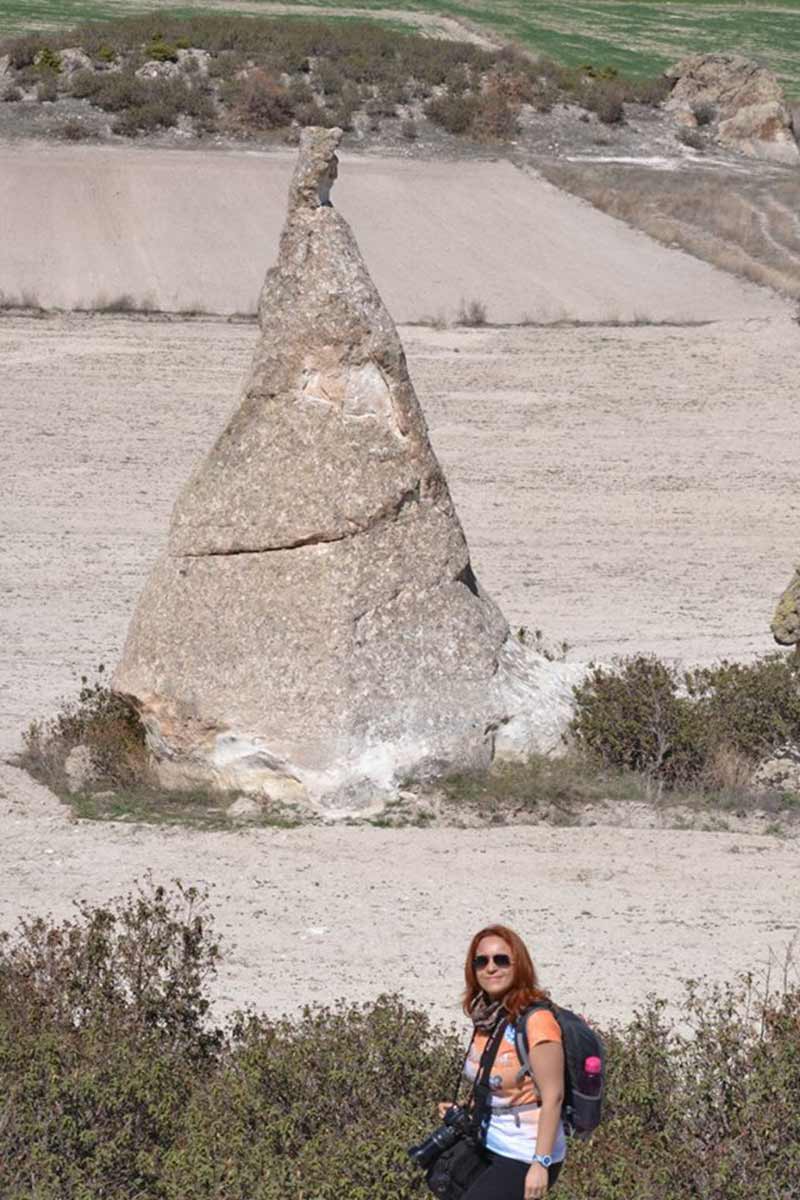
point(642, 715)
point(106, 54)
point(48, 60)
point(161, 51)
point(115, 1084)
point(752, 707)
point(103, 1037)
point(632, 717)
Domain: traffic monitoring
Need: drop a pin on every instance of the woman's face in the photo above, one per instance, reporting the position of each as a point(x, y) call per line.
point(494, 977)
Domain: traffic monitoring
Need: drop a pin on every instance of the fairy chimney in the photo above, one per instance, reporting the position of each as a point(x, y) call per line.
point(313, 629)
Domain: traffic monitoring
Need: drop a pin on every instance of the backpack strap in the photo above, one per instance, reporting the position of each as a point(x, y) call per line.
point(521, 1038)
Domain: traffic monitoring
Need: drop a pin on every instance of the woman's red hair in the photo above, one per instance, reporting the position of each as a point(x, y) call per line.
point(524, 989)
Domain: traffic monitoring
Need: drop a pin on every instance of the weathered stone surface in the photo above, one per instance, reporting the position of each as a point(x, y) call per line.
point(751, 109)
point(314, 629)
point(786, 621)
point(73, 59)
point(781, 771)
point(158, 70)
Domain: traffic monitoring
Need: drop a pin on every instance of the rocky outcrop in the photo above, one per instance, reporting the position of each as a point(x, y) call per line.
point(745, 104)
point(314, 629)
point(786, 621)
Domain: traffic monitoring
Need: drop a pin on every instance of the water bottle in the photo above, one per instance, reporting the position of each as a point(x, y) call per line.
point(592, 1081)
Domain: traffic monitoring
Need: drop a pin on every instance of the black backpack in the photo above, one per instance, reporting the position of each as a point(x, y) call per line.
point(582, 1112)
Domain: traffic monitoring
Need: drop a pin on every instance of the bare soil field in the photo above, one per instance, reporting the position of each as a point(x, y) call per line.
point(196, 230)
point(622, 488)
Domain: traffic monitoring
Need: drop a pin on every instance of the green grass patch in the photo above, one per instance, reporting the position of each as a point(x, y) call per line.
point(195, 808)
point(637, 37)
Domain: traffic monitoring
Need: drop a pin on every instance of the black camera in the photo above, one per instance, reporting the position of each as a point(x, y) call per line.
point(456, 1124)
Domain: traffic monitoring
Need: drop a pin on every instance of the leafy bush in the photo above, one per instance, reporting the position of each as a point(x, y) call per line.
point(161, 51)
point(633, 718)
point(752, 707)
point(99, 720)
point(113, 1082)
point(48, 60)
point(643, 716)
point(103, 1036)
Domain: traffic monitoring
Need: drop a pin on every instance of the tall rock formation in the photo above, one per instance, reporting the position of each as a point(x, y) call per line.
point(786, 620)
point(750, 113)
point(314, 629)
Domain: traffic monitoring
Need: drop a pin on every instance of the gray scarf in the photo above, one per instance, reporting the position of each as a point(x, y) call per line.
point(486, 1014)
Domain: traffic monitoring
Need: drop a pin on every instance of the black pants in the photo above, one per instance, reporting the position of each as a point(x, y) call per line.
point(505, 1179)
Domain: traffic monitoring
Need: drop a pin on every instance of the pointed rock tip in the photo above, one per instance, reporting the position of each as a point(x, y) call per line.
point(316, 169)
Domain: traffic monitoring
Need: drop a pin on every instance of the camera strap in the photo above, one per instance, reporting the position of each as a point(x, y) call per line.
point(480, 1102)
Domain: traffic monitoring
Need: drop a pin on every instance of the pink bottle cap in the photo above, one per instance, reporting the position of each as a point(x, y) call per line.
point(593, 1065)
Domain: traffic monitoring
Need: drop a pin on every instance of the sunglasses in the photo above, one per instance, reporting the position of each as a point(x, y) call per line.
point(481, 961)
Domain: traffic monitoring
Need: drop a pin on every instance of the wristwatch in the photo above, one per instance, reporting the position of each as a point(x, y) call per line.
point(546, 1160)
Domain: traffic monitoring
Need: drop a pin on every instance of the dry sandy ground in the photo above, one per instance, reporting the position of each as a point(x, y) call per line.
point(621, 488)
point(196, 229)
point(313, 914)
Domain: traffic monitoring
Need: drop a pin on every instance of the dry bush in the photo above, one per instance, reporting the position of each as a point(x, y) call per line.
point(495, 119)
point(605, 98)
point(691, 138)
point(453, 113)
point(105, 724)
point(471, 313)
point(260, 102)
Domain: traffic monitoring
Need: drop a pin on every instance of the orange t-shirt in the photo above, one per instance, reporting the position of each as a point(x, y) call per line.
point(515, 1102)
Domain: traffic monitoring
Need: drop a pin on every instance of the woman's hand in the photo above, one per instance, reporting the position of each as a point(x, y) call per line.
point(536, 1182)
point(443, 1107)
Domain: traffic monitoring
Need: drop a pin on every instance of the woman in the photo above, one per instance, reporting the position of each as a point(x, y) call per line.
point(524, 1137)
